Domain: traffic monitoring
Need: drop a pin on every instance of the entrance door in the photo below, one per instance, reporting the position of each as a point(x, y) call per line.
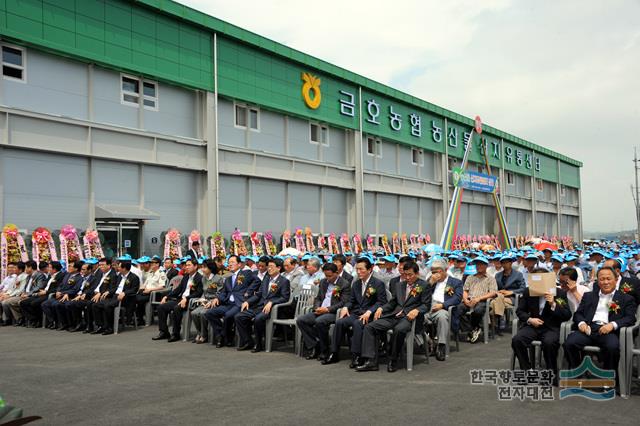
point(119, 238)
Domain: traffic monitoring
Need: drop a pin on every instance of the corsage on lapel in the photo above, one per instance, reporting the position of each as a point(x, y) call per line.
point(614, 307)
point(415, 290)
point(370, 291)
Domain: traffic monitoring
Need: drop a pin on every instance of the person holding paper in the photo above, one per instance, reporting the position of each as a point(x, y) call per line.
point(540, 318)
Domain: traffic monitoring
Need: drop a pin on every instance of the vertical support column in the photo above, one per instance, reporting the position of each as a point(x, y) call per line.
point(558, 203)
point(580, 235)
point(141, 201)
point(210, 212)
point(92, 195)
point(2, 221)
point(359, 172)
point(534, 192)
point(444, 167)
point(90, 92)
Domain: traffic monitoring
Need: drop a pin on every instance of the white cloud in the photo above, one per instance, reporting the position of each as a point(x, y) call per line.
point(560, 74)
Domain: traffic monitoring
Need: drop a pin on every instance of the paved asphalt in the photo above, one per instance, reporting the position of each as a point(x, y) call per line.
point(76, 379)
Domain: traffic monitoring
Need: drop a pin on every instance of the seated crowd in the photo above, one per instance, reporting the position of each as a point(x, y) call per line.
point(426, 295)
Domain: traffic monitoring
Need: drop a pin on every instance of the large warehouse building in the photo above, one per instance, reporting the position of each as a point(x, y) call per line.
point(137, 116)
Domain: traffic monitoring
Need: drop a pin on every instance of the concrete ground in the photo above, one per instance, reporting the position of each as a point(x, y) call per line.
point(77, 379)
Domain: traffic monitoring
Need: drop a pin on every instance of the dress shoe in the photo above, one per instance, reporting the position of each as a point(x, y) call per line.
point(98, 330)
point(161, 336)
point(78, 327)
point(19, 323)
point(256, 349)
point(87, 330)
point(441, 352)
point(392, 366)
point(63, 328)
point(246, 346)
point(355, 362)
point(332, 359)
point(322, 357)
point(107, 332)
point(220, 343)
point(313, 354)
point(370, 365)
point(51, 326)
point(173, 339)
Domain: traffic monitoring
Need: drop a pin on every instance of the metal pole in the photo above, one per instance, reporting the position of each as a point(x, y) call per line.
point(635, 161)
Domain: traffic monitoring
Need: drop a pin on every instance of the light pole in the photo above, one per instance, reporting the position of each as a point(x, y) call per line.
point(637, 200)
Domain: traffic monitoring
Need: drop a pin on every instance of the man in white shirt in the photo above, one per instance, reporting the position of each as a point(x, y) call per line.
point(313, 274)
point(447, 292)
point(13, 296)
point(9, 282)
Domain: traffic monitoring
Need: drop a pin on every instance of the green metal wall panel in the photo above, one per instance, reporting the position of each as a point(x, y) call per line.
point(390, 119)
point(258, 77)
point(548, 168)
point(569, 175)
point(114, 33)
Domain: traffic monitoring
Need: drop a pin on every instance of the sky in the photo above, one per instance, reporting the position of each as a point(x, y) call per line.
point(564, 75)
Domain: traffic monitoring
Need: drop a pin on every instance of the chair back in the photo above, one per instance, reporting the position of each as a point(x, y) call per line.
point(305, 300)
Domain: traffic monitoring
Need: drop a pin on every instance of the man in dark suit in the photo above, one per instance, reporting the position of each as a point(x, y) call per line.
point(411, 300)
point(104, 291)
point(169, 270)
point(238, 287)
point(393, 283)
point(80, 303)
point(193, 251)
point(127, 286)
point(340, 260)
point(176, 302)
point(446, 292)
point(31, 306)
point(67, 290)
point(333, 293)
point(599, 318)
point(540, 319)
point(274, 290)
point(63, 309)
point(367, 295)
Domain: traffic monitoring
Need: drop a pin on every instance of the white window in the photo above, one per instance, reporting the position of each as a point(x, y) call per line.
point(417, 157)
point(132, 92)
point(539, 185)
point(563, 191)
point(511, 179)
point(247, 117)
point(319, 133)
point(374, 146)
point(13, 63)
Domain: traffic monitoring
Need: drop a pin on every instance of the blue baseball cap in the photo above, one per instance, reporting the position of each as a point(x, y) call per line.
point(480, 259)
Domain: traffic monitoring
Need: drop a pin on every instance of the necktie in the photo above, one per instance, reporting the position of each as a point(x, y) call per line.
point(408, 293)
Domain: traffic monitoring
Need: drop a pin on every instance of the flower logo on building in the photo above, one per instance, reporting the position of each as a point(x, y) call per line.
point(311, 84)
